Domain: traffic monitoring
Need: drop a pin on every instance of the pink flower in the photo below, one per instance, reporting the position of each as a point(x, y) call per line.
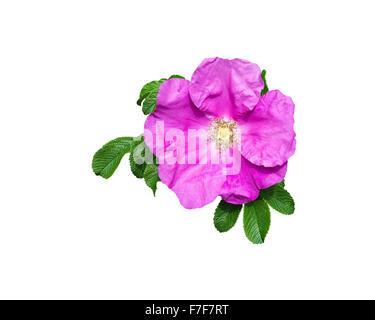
point(223, 102)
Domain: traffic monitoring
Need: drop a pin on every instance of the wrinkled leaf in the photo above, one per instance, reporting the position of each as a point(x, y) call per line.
point(256, 220)
point(151, 176)
point(279, 199)
point(226, 215)
point(107, 159)
point(137, 158)
point(149, 94)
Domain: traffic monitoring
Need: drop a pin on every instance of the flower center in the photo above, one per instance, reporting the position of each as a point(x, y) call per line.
point(223, 133)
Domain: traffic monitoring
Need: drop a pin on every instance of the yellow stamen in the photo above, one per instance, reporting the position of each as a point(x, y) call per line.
point(223, 133)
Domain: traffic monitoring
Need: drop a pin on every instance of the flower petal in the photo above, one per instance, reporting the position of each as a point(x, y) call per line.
point(226, 88)
point(240, 188)
point(267, 177)
point(267, 135)
point(244, 187)
point(194, 184)
point(174, 110)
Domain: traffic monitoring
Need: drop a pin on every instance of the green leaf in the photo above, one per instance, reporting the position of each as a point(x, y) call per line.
point(282, 183)
point(149, 105)
point(149, 94)
point(256, 220)
point(137, 158)
point(148, 88)
point(265, 88)
point(151, 176)
point(226, 215)
point(176, 76)
point(136, 169)
point(107, 159)
point(278, 198)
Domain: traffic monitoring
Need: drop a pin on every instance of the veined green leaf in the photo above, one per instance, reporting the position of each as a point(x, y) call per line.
point(278, 198)
point(148, 88)
point(226, 215)
point(107, 159)
point(137, 158)
point(256, 220)
point(151, 176)
point(149, 104)
point(149, 94)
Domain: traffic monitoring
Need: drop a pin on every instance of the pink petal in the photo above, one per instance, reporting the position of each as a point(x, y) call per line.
point(267, 177)
point(195, 184)
point(175, 110)
point(240, 188)
point(226, 88)
point(267, 135)
point(245, 186)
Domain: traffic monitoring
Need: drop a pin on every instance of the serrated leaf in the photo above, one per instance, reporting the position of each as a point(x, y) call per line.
point(256, 220)
point(151, 176)
point(226, 215)
point(137, 158)
point(149, 104)
point(148, 88)
point(279, 199)
point(136, 169)
point(265, 88)
point(107, 159)
point(149, 94)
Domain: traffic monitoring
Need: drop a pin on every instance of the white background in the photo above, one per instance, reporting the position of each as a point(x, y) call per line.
point(70, 74)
